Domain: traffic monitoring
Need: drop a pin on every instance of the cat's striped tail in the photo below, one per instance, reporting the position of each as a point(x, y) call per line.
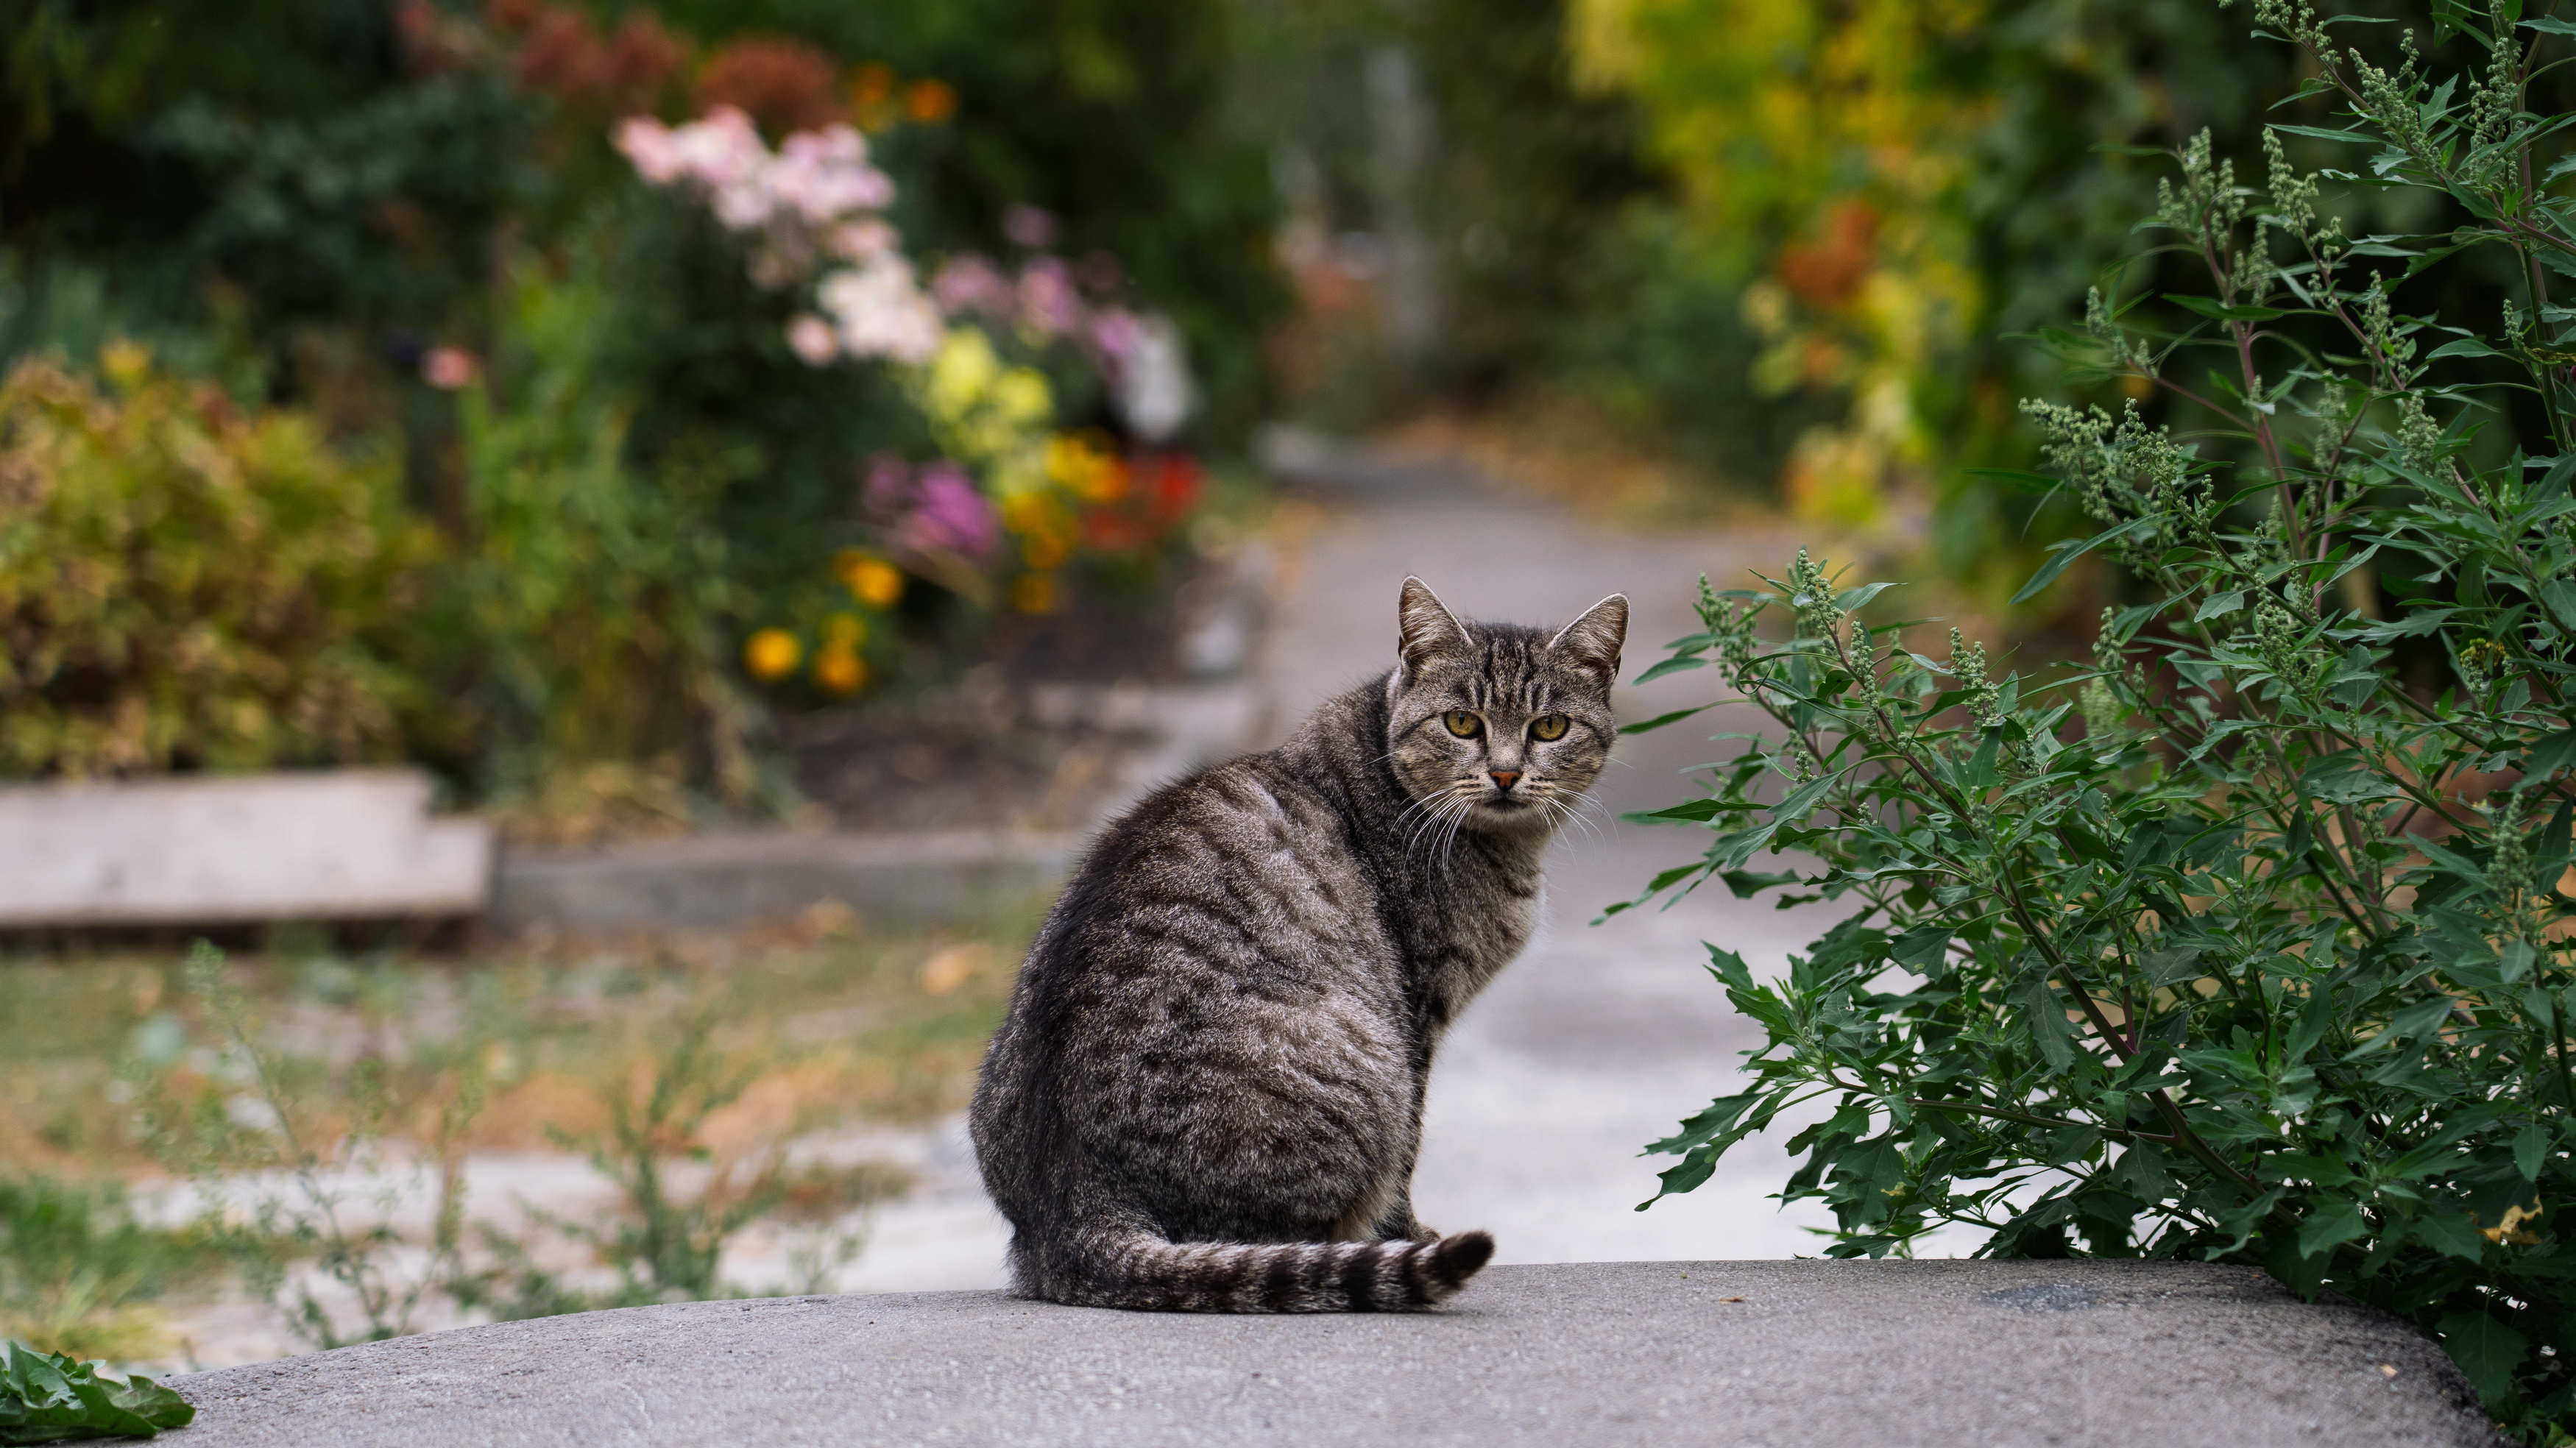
point(1142, 1271)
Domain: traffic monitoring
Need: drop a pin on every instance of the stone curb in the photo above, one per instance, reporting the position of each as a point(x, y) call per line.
point(1760, 1354)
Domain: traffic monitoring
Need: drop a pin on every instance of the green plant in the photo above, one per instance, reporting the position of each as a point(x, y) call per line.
point(580, 612)
point(665, 1242)
point(290, 1169)
point(79, 1275)
point(47, 1397)
point(184, 584)
point(2248, 938)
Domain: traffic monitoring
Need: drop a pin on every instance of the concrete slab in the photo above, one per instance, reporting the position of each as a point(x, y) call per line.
point(717, 880)
point(1747, 1354)
point(334, 844)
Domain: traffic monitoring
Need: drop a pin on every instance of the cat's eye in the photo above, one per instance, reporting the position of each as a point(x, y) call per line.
point(1548, 726)
point(1462, 723)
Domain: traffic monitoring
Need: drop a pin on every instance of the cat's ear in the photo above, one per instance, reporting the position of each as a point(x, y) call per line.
point(1425, 628)
point(1592, 641)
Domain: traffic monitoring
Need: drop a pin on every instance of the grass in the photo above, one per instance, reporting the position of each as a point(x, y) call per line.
point(116, 1068)
point(79, 1275)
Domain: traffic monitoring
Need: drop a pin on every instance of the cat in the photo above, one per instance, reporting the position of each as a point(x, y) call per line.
point(1207, 1095)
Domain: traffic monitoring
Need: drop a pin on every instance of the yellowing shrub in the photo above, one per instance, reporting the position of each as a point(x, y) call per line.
point(186, 585)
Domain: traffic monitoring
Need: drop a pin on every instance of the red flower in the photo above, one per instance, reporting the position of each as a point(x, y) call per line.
point(785, 85)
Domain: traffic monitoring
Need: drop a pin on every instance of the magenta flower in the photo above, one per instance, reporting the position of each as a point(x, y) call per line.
point(949, 516)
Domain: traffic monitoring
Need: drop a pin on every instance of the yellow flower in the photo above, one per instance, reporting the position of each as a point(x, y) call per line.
point(838, 669)
point(124, 362)
point(1087, 466)
point(873, 581)
point(1036, 593)
point(771, 654)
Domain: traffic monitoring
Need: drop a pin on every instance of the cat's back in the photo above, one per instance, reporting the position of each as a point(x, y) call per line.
point(1251, 851)
point(1234, 891)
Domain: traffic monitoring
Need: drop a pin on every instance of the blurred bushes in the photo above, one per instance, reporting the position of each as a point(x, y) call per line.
point(186, 584)
point(399, 231)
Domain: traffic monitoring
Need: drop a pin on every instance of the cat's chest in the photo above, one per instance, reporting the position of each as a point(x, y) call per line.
point(1486, 923)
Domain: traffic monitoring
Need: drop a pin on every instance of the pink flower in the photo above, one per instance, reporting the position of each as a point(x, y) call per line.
point(1114, 334)
point(1048, 303)
point(836, 145)
point(972, 284)
point(652, 147)
point(1028, 225)
point(449, 369)
point(862, 240)
point(888, 486)
point(812, 338)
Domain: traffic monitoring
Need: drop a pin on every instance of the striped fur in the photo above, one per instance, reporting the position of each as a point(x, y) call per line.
point(1207, 1096)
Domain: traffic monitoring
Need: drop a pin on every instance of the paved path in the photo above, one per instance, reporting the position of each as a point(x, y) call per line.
point(1745, 1354)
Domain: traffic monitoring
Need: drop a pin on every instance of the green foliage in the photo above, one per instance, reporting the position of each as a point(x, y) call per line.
point(320, 1157)
point(2246, 938)
point(47, 1397)
point(184, 584)
point(79, 1275)
point(585, 610)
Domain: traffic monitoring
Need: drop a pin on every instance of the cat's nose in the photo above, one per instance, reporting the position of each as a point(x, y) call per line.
point(1504, 779)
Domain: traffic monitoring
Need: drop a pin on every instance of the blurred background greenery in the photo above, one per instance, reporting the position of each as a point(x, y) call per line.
point(522, 474)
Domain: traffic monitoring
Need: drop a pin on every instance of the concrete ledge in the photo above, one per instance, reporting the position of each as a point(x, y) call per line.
point(206, 850)
point(1867, 1354)
point(713, 881)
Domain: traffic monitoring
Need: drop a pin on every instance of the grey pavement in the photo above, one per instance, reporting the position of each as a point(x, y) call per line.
point(1745, 1354)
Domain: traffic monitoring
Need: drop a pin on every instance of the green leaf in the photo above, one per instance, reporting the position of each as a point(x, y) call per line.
point(1669, 666)
point(2338, 1221)
point(2560, 595)
point(2217, 313)
point(1853, 600)
point(1693, 1170)
point(1730, 968)
point(2416, 624)
point(2454, 1234)
point(2219, 603)
point(1921, 949)
point(2550, 755)
point(1803, 799)
point(2347, 786)
point(2488, 1352)
point(2045, 1012)
point(48, 1396)
point(2551, 25)
point(1981, 770)
point(2067, 552)
point(1660, 720)
point(1693, 811)
point(2464, 347)
point(1721, 1114)
point(2531, 1150)
point(2317, 133)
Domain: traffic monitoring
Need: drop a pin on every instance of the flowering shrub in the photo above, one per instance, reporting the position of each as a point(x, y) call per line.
point(183, 584)
point(2251, 937)
point(811, 215)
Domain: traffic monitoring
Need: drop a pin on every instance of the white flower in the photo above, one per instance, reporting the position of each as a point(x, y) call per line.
point(881, 312)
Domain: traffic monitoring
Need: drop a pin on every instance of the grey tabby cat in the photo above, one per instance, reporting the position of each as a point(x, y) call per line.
point(1208, 1094)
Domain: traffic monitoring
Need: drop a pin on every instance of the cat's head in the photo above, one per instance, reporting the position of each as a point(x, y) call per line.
point(1498, 726)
